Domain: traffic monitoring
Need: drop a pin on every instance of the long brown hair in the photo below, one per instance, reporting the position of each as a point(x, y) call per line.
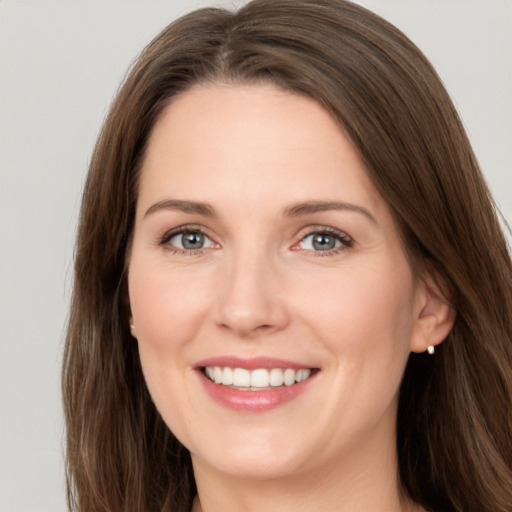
point(455, 411)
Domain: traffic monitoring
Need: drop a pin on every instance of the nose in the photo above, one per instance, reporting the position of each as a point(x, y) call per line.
point(252, 299)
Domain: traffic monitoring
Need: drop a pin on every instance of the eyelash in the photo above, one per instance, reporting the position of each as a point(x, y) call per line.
point(346, 242)
point(169, 235)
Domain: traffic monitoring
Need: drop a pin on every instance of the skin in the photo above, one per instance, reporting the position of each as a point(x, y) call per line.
point(259, 287)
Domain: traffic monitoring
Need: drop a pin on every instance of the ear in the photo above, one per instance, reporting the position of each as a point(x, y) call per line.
point(132, 326)
point(434, 316)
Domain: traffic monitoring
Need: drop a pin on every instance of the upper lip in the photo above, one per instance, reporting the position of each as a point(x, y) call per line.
point(250, 363)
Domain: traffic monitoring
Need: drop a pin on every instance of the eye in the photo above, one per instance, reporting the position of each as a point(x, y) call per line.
point(187, 240)
point(325, 241)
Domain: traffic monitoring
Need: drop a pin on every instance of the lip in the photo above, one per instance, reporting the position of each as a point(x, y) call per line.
point(252, 401)
point(250, 363)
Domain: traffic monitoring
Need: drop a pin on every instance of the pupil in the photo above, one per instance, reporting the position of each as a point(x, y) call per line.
point(323, 242)
point(193, 240)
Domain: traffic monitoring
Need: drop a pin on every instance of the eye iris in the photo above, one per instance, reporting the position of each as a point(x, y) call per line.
point(193, 240)
point(323, 242)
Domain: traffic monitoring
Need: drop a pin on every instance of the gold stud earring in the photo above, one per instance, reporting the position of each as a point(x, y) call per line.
point(431, 349)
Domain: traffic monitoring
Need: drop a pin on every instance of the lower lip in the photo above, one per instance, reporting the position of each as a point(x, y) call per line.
point(253, 401)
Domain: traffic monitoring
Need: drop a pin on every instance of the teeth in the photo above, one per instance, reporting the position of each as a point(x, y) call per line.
point(241, 377)
point(217, 375)
point(289, 377)
point(227, 377)
point(301, 375)
point(260, 378)
point(276, 377)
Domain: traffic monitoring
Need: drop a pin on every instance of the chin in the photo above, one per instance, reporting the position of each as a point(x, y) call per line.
point(253, 460)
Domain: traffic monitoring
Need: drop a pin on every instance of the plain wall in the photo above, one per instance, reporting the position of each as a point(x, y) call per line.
point(60, 65)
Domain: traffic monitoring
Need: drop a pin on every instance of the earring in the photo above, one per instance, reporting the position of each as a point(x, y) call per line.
point(431, 349)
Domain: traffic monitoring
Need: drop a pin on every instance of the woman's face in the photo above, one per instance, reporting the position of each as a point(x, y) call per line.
point(263, 252)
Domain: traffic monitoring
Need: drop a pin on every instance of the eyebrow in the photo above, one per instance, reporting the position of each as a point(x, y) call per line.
point(295, 210)
point(310, 207)
point(182, 206)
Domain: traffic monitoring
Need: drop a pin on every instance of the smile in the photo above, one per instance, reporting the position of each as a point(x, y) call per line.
point(255, 380)
point(254, 385)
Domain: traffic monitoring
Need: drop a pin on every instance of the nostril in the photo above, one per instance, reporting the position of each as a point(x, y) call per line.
point(247, 330)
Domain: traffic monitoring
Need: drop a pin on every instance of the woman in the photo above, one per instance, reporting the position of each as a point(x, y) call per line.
point(291, 288)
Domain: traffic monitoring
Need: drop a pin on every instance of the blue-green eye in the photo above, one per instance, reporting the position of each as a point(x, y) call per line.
point(190, 241)
point(325, 241)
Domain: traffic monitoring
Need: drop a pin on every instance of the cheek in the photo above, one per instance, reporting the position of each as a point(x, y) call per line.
point(365, 323)
point(366, 313)
point(167, 307)
point(167, 311)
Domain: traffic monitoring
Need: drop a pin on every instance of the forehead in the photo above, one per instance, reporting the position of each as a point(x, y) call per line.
point(218, 142)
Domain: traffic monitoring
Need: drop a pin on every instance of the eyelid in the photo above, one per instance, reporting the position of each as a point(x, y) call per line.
point(346, 240)
point(193, 228)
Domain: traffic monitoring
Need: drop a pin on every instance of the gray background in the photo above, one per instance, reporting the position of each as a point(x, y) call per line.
point(60, 65)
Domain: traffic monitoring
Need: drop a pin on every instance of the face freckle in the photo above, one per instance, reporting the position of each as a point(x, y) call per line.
point(261, 242)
